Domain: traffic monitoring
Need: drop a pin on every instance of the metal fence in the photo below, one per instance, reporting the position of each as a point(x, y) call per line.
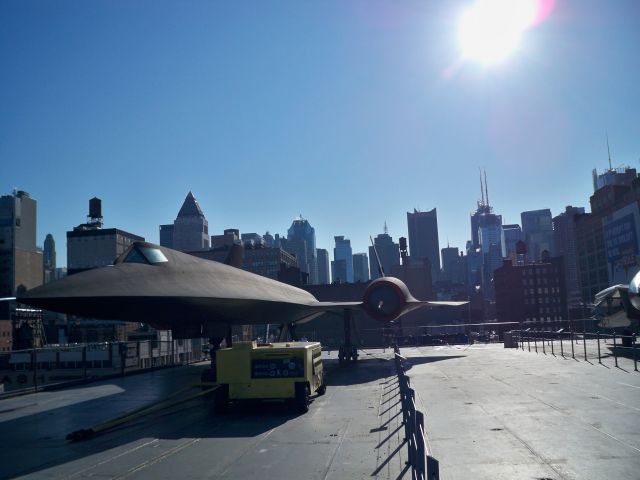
point(44, 367)
point(601, 347)
point(423, 465)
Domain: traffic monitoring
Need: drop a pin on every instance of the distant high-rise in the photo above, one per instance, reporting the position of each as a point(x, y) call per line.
point(609, 236)
point(423, 238)
point(483, 217)
point(453, 265)
point(324, 272)
point(360, 267)
point(166, 235)
point(474, 267)
point(486, 243)
point(49, 258)
point(269, 241)
point(537, 228)
point(266, 261)
point(190, 229)
point(252, 240)
point(475, 222)
point(511, 234)
point(20, 259)
point(230, 237)
point(342, 265)
point(389, 253)
point(301, 241)
point(613, 176)
point(565, 242)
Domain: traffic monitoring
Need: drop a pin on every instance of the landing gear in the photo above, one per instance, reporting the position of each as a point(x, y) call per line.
point(287, 330)
point(209, 375)
point(347, 353)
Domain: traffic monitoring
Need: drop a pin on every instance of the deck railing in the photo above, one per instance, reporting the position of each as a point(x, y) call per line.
point(423, 465)
point(589, 346)
point(79, 363)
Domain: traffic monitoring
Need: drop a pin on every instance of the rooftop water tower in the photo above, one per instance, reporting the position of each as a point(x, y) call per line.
point(95, 212)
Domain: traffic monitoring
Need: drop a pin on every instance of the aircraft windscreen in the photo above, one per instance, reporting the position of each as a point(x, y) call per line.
point(135, 257)
point(145, 255)
point(154, 255)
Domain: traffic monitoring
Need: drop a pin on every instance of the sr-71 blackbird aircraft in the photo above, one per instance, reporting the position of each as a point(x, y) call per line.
point(195, 297)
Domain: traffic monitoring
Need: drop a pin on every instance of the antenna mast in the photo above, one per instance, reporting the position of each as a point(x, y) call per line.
point(375, 251)
point(609, 152)
point(481, 189)
point(485, 187)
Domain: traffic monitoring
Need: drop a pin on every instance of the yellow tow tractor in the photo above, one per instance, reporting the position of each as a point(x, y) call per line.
point(272, 371)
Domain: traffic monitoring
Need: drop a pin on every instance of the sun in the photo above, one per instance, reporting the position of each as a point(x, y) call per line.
point(491, 30)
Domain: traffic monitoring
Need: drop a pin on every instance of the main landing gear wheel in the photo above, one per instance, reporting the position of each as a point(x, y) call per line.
point(347, 354)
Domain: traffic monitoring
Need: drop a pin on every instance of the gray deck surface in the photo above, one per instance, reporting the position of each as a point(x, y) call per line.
point(496, 413)
point(490, 412)
point(353, 431)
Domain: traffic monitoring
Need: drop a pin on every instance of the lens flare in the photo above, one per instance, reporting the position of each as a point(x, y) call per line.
point(491, 30)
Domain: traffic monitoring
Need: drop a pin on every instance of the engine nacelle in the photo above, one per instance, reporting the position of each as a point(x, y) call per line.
point(386, 298)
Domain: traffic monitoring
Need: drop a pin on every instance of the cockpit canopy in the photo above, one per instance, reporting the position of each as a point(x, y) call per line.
point(144, 254)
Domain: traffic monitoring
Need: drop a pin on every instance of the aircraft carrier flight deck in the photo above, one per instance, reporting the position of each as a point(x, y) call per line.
point(490, 413)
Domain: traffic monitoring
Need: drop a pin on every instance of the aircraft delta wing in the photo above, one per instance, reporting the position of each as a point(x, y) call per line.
point(197, 297)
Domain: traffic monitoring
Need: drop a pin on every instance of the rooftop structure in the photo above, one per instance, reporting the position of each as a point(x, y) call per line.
point(189, 231)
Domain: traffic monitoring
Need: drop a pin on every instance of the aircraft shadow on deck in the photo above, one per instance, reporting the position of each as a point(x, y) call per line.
point(44, 433)
point(413, 361)
point(371, 369)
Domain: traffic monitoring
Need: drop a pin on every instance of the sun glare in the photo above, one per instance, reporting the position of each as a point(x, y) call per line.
point(491, 30)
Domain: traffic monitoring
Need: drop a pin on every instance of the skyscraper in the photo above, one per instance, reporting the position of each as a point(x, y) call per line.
point(423, 238)
point(537, 228)
point(486, 235)
point(342, 265)
point(511, 234)
point(389, 253)
point(565, 243)
point(49, 258)
point(453, 265)
point(360, 267)
point(301, 242)
point(324, 272)
point(190, 229)
point(476, 216)
point(609, 237)
point(20, 260)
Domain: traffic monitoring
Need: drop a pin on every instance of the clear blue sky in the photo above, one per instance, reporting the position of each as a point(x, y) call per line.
point(349, 112)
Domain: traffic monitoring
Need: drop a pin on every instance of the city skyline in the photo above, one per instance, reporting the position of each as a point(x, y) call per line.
point(240, 105)
point(62, 253)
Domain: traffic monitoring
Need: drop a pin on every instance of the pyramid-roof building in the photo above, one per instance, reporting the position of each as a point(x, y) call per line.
point(190, 207)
